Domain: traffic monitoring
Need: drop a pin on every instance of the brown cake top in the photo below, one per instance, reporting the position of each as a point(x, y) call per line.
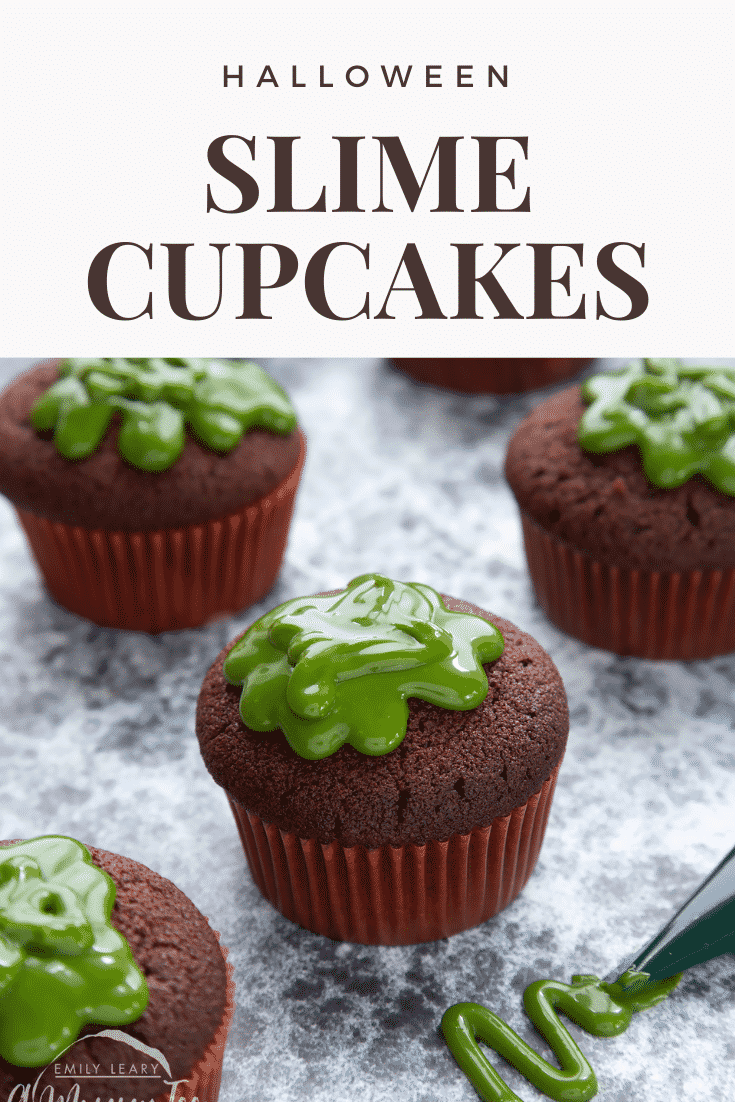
point(104, 491)
point(454, 771)
point(604, 504)
point(179, 954)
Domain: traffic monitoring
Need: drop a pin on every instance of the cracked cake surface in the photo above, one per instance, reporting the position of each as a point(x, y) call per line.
point(454, 771)
point(104, 491)
point(605, 505)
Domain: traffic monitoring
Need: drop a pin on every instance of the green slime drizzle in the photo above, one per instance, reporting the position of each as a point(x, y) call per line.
point(603, 1009)
point(156, 398)
point(62, 963)
point(334, 669)
point(682, 419)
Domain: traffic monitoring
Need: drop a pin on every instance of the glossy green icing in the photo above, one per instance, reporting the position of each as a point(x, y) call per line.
point(340, 668)
point(603, 1009)
point(62, 963)
point(682, 419)
point(156, 398)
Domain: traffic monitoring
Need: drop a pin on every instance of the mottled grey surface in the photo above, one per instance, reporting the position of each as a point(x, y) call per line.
point(96, 741)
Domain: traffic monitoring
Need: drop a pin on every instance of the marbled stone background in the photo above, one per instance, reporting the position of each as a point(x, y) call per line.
point(97, 741)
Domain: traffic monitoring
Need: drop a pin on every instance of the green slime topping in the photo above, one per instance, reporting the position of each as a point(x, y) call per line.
point(682, 419)
point(603, 1009)
point(62, 963)
point(219, 402)
point(340, 668)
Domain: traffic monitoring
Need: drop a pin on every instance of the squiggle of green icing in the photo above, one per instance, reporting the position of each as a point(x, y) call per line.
point(603, 1009)
point(340, 668)
point(682, 419)
point(219, 401)
point(62, 963)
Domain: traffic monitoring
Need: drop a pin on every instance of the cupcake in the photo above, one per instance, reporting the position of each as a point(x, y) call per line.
point(155, 494)
point(491, 376)
point(111, 981)
point(390, 757)
point(626, 488)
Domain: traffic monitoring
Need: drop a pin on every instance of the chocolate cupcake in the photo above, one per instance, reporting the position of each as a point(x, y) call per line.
point(626, 489)
point(155, 494)
point(510, 376)
point(390, 760)
point(72, 965)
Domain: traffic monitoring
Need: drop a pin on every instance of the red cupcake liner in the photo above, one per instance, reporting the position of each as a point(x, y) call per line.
point(203, 1082)
point(510, 376)
point(169, 579)
point(647, 613)
point(396, 895)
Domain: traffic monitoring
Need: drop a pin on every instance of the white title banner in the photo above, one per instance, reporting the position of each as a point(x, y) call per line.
point(346, 181)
